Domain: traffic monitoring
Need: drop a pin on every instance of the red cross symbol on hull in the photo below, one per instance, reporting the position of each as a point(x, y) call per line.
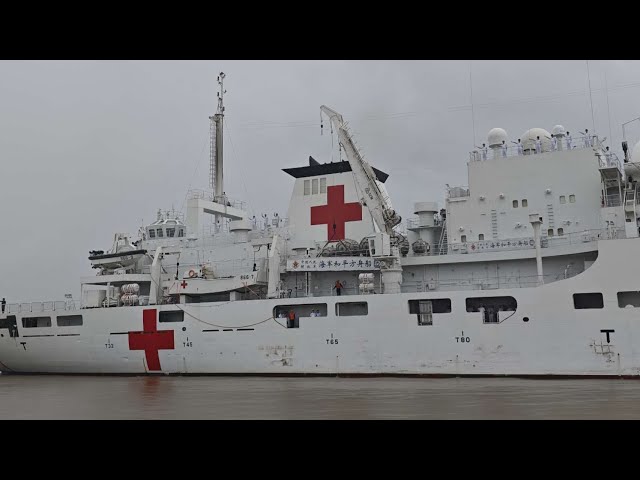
point(151, 339)
point(336, 213)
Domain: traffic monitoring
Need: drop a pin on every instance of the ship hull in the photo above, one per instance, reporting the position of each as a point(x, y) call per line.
point(545, 336)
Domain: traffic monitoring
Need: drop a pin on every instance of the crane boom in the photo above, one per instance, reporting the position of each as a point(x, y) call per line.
point(373, 197)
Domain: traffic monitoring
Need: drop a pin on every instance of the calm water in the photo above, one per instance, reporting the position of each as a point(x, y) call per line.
point(61, 397)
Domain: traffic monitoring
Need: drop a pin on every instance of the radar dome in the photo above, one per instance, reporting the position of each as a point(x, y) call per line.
point(496, 136)
point(529, 140)
point(635, 153)
point(559, 130)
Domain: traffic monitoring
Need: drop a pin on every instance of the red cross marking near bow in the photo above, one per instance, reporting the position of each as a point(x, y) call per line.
point(336, 213)
point(151, 339)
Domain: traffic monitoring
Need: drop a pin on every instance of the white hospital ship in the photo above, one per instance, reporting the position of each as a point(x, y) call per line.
point(530, 269)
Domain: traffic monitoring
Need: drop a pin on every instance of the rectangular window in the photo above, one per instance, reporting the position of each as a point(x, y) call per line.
point(160, 235)
point(490, 307)
point(525, 202)
point(481, 236)
point(181, 232)
point(171, 232)
point(301, 310)
point(69, 320)
point(36, 322)
point(171, 316)
point(572, 199)
point(10, 324)
point(152, 233)
point(560, 231)
point(314, 186)
point(425, 309)
point(550, 232)
point(463, 238)
point(350, 309)
point(515, 204)
point(563, 199)
point(629, 299)
point(587, 300)
point(307, 187)
point(323, 185)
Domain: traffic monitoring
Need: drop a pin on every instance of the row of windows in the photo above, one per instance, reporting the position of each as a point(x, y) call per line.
point(171, 232)
point(342, 309)
point(76, 320)
point(62, 320)
point(313, 187)
point(595, 300)
point(563, 199)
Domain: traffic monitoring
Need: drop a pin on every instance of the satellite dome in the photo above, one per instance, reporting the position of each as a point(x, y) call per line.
point(530, 136)
point(496, 136)
point(635, 153)
point(558, 130)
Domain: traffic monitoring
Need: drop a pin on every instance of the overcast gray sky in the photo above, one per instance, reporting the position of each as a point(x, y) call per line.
point(90, 148)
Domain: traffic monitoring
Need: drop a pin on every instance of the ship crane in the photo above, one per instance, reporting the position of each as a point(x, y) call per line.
point(375, 200)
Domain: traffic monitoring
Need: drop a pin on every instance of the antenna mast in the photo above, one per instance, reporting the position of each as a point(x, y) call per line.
point(215, 147)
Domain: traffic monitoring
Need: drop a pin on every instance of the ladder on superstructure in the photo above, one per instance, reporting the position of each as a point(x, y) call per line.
point(442, 246)
point(630, 201)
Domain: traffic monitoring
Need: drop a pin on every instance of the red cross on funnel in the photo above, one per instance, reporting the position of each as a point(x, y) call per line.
point(336, 213)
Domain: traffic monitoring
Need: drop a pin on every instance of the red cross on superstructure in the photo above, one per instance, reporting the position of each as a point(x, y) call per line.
point(151, 339)
point(336, 213)
point(183, 284)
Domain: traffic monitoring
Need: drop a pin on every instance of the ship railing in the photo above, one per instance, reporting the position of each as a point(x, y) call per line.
point(416, 223)
point(485, 283)
point(528, 148)
point(612, 200)
point(220, 268)
point(41, 307)
point(557, 238)
point(222, 199)
point(327, 291)
point(458, 192)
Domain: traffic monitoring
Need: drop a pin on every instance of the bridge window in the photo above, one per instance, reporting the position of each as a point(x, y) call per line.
point(560, 231)
point(481, 236)
point(181, 232)
point(463, 238)
point(36, 322)
point(171, 232)
point(587, 300)
point(563, 199)
point(160, 235)
point(323, 185)
point(425, 309)
point(314, 186)
point(629, 299)
point(572, 199)
point(525, 203)
point(152, 233)
point(515, 204)
point(171, 316)
point(69, 320)
point(307, 187)
point(350, 309)
point(490, 307)
point(550, 232)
